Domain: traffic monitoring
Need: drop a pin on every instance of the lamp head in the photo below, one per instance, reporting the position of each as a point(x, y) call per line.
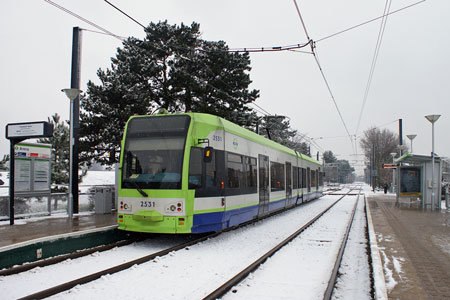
point(71, 93)
point(432, 118)
point(411, 136)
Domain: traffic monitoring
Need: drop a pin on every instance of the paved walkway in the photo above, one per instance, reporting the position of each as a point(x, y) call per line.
point(24, 231)
point(414, 246)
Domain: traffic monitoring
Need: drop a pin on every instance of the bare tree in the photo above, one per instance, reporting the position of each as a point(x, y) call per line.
point(378, 145)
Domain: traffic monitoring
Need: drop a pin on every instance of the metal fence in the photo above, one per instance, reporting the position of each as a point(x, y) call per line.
point(98, 199)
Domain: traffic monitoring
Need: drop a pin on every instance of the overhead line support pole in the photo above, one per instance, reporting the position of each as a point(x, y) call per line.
point(75, 114)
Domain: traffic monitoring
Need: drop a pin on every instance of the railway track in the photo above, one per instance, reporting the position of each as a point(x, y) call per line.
point(234, 281)
point(86, 279)
point(57, 259)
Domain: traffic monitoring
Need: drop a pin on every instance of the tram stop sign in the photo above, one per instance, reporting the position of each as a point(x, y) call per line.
point(16, 133)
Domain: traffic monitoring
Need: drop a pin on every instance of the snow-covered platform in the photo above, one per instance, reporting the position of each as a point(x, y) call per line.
point(415, 248)
point(37, 238)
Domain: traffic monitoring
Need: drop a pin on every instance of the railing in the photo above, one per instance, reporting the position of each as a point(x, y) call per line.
point(55, 203)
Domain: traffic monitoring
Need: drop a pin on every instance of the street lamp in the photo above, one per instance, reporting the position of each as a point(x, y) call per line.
point(393, 154)
point(72, 94)
point(432, 119)
point(411, 137)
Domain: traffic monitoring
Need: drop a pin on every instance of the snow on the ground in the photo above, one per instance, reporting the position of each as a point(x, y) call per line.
point(354, 281)
point(388, 273)
point(37, 279)
point(301, 270)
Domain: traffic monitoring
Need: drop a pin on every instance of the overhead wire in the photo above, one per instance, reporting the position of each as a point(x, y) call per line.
point(374, 61)
point(313, 50)
point(130, 17)
point(369, 21)
point(84, 19)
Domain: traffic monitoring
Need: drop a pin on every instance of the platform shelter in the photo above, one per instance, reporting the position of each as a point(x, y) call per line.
point(414, 175)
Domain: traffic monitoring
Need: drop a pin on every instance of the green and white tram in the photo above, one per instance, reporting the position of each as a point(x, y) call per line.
point(193, 173)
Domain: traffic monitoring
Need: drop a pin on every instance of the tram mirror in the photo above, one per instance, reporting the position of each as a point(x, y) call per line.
point(208, 154)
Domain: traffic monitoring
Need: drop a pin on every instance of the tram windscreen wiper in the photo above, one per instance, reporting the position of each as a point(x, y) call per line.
point(136, 185)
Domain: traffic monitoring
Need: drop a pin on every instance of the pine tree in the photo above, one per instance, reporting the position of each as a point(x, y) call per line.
point(60, 151)
point(172, 68)
point(328, 157)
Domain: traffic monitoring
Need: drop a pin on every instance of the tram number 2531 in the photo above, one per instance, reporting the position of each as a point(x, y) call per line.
point(148, 204)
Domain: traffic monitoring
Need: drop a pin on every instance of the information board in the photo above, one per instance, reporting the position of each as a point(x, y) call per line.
point(32, 168)
point(410, 182)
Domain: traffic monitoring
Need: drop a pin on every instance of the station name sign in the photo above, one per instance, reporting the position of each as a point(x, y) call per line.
point(29, 130)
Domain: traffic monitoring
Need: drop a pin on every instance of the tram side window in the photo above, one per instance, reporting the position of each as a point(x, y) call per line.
point(195, 168)
point(295, 177)
point(313, 178)
point(321, 178)
point(276, 177)
point(251, 173)
point(303, 179)
point(235, 171)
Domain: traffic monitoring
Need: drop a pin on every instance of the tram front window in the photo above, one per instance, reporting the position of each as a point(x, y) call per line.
point(153, 154)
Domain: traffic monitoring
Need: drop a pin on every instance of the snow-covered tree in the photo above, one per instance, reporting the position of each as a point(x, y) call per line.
point(171, 68)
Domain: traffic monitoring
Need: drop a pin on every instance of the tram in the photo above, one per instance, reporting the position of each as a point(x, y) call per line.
point(194, 173)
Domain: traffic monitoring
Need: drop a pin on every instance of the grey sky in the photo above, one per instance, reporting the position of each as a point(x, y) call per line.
point(411, 78)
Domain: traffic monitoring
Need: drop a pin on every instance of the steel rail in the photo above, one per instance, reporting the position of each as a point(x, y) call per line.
point(60, 258)
point(334, 274)
point(223, 289)
point(82, 280)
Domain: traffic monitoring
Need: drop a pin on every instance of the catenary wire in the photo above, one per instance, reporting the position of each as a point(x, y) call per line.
point(84, 20)
point(131, 18)
point(367, 22)
point(321, 71)
point(374, 61)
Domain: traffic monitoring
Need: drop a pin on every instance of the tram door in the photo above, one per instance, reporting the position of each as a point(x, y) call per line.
point(288, 183)
point(263, 184)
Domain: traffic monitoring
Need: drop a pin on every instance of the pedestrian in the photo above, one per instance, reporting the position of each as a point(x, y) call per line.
point(385, 187)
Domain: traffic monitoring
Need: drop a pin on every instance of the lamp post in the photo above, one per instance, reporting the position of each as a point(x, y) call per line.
point(72, 94)
point(432, 119)
point(411, 137)
point(393, 154)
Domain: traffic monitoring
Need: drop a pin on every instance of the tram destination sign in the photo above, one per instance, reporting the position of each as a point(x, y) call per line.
point(29, 130)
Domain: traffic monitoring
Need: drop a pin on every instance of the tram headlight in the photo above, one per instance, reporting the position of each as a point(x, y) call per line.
point(175, 207)
point(124, 206)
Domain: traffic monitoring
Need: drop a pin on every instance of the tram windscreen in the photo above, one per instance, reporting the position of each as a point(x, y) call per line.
point(153, 153)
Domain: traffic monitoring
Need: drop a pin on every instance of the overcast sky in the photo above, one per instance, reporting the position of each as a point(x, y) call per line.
point(411, 78)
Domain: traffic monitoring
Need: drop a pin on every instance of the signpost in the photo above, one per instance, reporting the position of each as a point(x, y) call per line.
point(16, 133)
